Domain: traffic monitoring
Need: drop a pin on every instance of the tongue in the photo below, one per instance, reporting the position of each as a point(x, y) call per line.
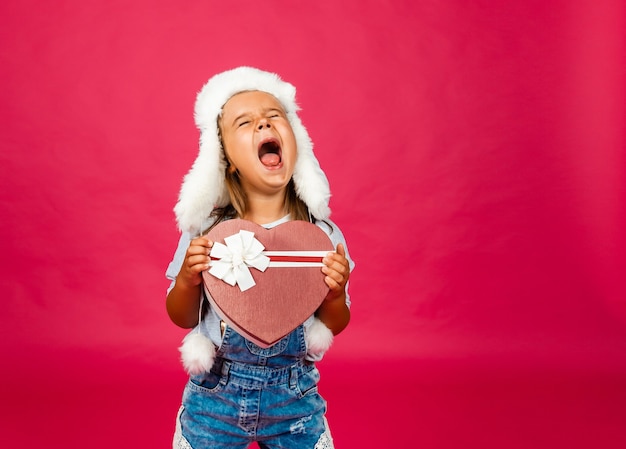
point(270, 159)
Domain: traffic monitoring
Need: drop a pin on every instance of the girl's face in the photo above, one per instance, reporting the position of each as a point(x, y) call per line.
point(258, 141)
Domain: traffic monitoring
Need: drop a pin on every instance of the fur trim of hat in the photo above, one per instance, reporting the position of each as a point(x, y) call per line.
point(204, 187)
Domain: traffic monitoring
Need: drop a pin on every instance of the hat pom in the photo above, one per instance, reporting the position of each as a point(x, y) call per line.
point(318, 338)
point(197, 353)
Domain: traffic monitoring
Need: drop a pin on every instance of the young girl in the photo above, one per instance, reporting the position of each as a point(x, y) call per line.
point(256, 163)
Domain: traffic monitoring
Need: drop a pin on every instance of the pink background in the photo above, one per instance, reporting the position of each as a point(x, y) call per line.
point(476, 157)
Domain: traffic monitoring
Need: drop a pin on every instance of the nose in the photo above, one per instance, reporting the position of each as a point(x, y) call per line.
point(263, 123)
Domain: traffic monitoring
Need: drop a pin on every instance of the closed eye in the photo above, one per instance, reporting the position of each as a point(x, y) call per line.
point(274, 113)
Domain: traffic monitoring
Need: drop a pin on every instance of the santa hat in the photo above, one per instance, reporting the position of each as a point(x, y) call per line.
point(204, 187)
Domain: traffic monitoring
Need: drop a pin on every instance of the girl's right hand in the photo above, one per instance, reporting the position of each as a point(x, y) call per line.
point(196, 261)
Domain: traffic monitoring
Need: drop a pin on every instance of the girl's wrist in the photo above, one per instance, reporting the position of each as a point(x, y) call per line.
point(331, 299)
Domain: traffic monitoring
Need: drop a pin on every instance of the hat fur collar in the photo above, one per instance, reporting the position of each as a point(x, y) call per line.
point(204, 187)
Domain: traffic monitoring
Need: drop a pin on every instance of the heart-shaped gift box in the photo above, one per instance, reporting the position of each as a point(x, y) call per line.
point(281, 297)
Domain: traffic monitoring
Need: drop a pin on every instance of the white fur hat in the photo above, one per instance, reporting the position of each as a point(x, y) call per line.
point(204, 187)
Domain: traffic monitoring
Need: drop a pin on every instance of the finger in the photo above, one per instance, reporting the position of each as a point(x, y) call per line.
point(201, 248)
point(201, 241)
point(197, 259)
point(338, 277)
point(199, 268)
point(339, 254)
point(337, 263)
point(332, 284)
point(341, 250)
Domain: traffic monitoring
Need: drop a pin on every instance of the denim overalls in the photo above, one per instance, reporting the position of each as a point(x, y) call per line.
point(254, 394)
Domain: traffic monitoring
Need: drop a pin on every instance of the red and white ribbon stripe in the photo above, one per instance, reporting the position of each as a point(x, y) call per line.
point(295, 258)
point(231, 262)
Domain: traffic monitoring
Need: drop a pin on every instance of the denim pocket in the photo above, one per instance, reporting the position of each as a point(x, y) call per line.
point(307, 382)
point(206, 382)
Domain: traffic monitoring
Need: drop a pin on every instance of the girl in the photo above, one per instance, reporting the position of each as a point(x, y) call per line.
point(255, 162)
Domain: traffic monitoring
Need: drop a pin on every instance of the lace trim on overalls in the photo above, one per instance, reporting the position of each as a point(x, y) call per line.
point(325, 441)
point(180, 442)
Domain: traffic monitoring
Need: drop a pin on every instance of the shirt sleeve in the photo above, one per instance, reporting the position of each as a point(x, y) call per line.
point(179, 256)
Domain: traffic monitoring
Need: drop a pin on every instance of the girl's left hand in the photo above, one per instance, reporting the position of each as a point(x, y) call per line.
point(337, 270)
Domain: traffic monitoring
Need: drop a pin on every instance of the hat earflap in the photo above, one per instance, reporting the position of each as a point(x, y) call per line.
point(310, 180)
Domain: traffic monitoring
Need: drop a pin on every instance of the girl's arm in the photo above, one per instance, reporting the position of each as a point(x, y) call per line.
point(183, 300)
point(334, 312)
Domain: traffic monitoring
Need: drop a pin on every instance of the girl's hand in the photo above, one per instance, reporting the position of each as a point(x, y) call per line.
point(196, 261)
point(184, 299)
point(337, 270)
point(333, 311)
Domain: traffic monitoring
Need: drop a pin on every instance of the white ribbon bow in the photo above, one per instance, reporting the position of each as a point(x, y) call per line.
point(241, 251)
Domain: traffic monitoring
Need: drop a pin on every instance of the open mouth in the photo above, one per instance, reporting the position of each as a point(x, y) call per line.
point(269, 153)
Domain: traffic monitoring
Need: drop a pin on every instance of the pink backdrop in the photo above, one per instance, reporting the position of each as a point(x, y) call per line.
point(476, 157)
